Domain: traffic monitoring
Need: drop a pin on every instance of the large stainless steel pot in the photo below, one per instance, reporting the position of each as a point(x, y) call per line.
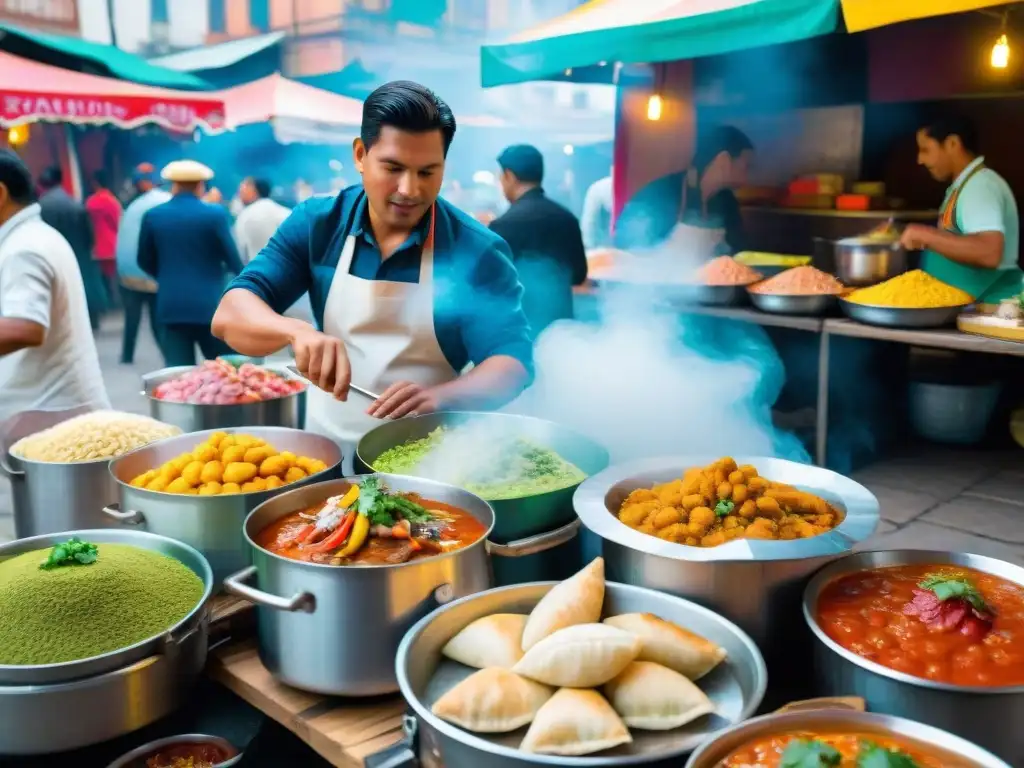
point(515, 519)
point(863, 261)
point(757, 584)
point(736, 686)
point(51, 497)
point(211, 524)
point(22, 677)
point(335, 629)
point(981, 714)
point(952, 750)
point(288, 411)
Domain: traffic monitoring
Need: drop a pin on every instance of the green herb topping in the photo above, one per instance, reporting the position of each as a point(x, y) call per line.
point(380, 507)
point(950, 587)
point(724, 507)
point(809, 754)
point(871, 755)
point(74, 551)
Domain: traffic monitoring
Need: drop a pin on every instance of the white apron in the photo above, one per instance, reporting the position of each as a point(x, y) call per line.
point(696, 245)
point(388, 330)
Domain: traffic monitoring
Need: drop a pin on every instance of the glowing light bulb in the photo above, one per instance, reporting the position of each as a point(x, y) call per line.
point(654, 107)
point(18, 135)
point(1001, 53)
point(568, 149)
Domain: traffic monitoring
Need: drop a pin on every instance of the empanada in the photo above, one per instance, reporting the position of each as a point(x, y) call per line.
point(492, 701)
point(584, 656)
point(577, 600)
point(655, 698)
point(575, 722)
point(493, 641)
point(670, 645)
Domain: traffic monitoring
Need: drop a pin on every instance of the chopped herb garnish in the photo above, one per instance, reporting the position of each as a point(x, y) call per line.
point(949, 587)
point(383, 508)
point(809, 754)
point(74, 551)
point(724, 507)
point(872, 755)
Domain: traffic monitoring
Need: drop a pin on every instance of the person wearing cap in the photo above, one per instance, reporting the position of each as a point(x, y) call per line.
point(545, 238)
point(186, 246)
point(138, 290)
point(407, 290)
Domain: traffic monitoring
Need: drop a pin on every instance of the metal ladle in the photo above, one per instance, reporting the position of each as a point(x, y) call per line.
point(354, 387)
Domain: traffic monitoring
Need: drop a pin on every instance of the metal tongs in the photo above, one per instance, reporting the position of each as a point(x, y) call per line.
point(354, 387)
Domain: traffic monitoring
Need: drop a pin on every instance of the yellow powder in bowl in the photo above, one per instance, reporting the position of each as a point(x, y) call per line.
point(911, 290)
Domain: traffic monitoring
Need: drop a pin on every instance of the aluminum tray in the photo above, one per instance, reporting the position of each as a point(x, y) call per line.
point(736, 686)
point(781, 304)
point(895, 317)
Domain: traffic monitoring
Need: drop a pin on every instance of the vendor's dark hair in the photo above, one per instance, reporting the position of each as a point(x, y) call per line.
point(15, 175)
point(722, 138)
point(406, 106)
point(942, 127)
point(262, 186)
point(51, 177)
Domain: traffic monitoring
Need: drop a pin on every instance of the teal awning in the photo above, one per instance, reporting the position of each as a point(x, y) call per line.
point(218, 56)
point(93, 58)
point(608, 32)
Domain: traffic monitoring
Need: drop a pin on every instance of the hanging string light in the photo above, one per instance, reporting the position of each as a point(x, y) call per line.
point(654, 101)
point(1001, 50)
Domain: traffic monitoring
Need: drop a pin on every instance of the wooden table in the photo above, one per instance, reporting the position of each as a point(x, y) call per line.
point(343, 731)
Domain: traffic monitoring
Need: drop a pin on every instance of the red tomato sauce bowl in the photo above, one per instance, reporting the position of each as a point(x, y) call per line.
point(932, 636)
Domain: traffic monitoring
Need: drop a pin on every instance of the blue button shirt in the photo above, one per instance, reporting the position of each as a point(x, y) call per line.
point(477, 295)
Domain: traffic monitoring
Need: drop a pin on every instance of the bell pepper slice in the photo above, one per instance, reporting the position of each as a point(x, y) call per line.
point(350, 497)
point(336, 538)
point(360, 531)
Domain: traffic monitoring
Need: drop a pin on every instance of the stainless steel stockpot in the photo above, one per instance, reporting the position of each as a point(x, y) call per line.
point(982, 714)
point(335, 629)
point(287, 411)
point(757, 584)
point(22, 677)
point(211, 524)
point(954, 751)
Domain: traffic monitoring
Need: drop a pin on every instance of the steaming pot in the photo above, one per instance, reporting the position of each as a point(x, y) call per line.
point(757, 584)
point(534, 537)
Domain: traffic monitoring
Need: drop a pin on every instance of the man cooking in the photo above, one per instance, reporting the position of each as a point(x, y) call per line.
point(406, 289)
point(974, 247)
point(694, 211)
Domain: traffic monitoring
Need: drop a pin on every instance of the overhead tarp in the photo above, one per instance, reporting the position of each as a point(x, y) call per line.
point(633, 31)
point(93, 58)
point(218, 56)
point(34, 92)
point(868, 14)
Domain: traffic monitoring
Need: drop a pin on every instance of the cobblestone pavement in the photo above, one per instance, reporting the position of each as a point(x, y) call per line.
point(932, 498)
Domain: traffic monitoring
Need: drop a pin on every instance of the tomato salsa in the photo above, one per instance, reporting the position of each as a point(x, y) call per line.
point(842, 750)
point(944, 623)
point(371, 525)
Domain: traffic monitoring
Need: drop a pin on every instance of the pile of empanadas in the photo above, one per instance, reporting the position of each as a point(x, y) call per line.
point(549, 670)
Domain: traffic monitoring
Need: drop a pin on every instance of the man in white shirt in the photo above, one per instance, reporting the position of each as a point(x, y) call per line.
point(48, 358)
point(596, 221)
point(259, 220)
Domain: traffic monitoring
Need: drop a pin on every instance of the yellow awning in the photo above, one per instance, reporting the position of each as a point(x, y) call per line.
point(868, 14)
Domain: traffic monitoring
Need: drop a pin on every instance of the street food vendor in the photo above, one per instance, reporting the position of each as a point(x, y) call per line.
point(975, 245)
point(406, 289)
point(695, 209)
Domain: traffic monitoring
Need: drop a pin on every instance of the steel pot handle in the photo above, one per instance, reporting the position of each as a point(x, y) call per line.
point(128, 517)
point(300, 601)
point(531, 545)
point(401, 754)
point(10, 471)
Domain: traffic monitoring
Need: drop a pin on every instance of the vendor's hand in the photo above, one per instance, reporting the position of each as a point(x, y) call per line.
point(323, 360)
point(405, 399)
point(916, 237)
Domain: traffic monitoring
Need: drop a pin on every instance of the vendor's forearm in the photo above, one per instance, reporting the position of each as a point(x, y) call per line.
point(492, 384)
point(983, 249)
point(17, 334)
point(249, 326)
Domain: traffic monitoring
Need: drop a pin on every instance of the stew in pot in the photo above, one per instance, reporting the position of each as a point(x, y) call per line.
point(370, 525)
point(825, 750)
point(941, 622)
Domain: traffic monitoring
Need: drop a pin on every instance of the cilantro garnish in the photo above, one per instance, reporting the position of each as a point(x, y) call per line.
point(948, 587)
point(871, 755)
point(724, 507)
point(809, 754)
point(74, 551)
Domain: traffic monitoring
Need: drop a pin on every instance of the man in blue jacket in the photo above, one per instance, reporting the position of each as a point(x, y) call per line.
point(187, 247)
point(406, 289)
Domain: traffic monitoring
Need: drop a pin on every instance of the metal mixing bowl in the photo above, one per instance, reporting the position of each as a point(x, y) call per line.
point(781, 304)
point(897, 317)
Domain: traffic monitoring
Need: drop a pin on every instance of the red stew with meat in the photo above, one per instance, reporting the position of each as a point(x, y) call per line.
point(940, 622)
point(827, 750)
point(189, 755)
point(370, 525)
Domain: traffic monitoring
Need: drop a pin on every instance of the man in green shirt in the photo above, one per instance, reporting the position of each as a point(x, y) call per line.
point(975, 245)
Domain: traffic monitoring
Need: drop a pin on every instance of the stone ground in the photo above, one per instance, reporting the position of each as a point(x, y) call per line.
point(931, 497)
